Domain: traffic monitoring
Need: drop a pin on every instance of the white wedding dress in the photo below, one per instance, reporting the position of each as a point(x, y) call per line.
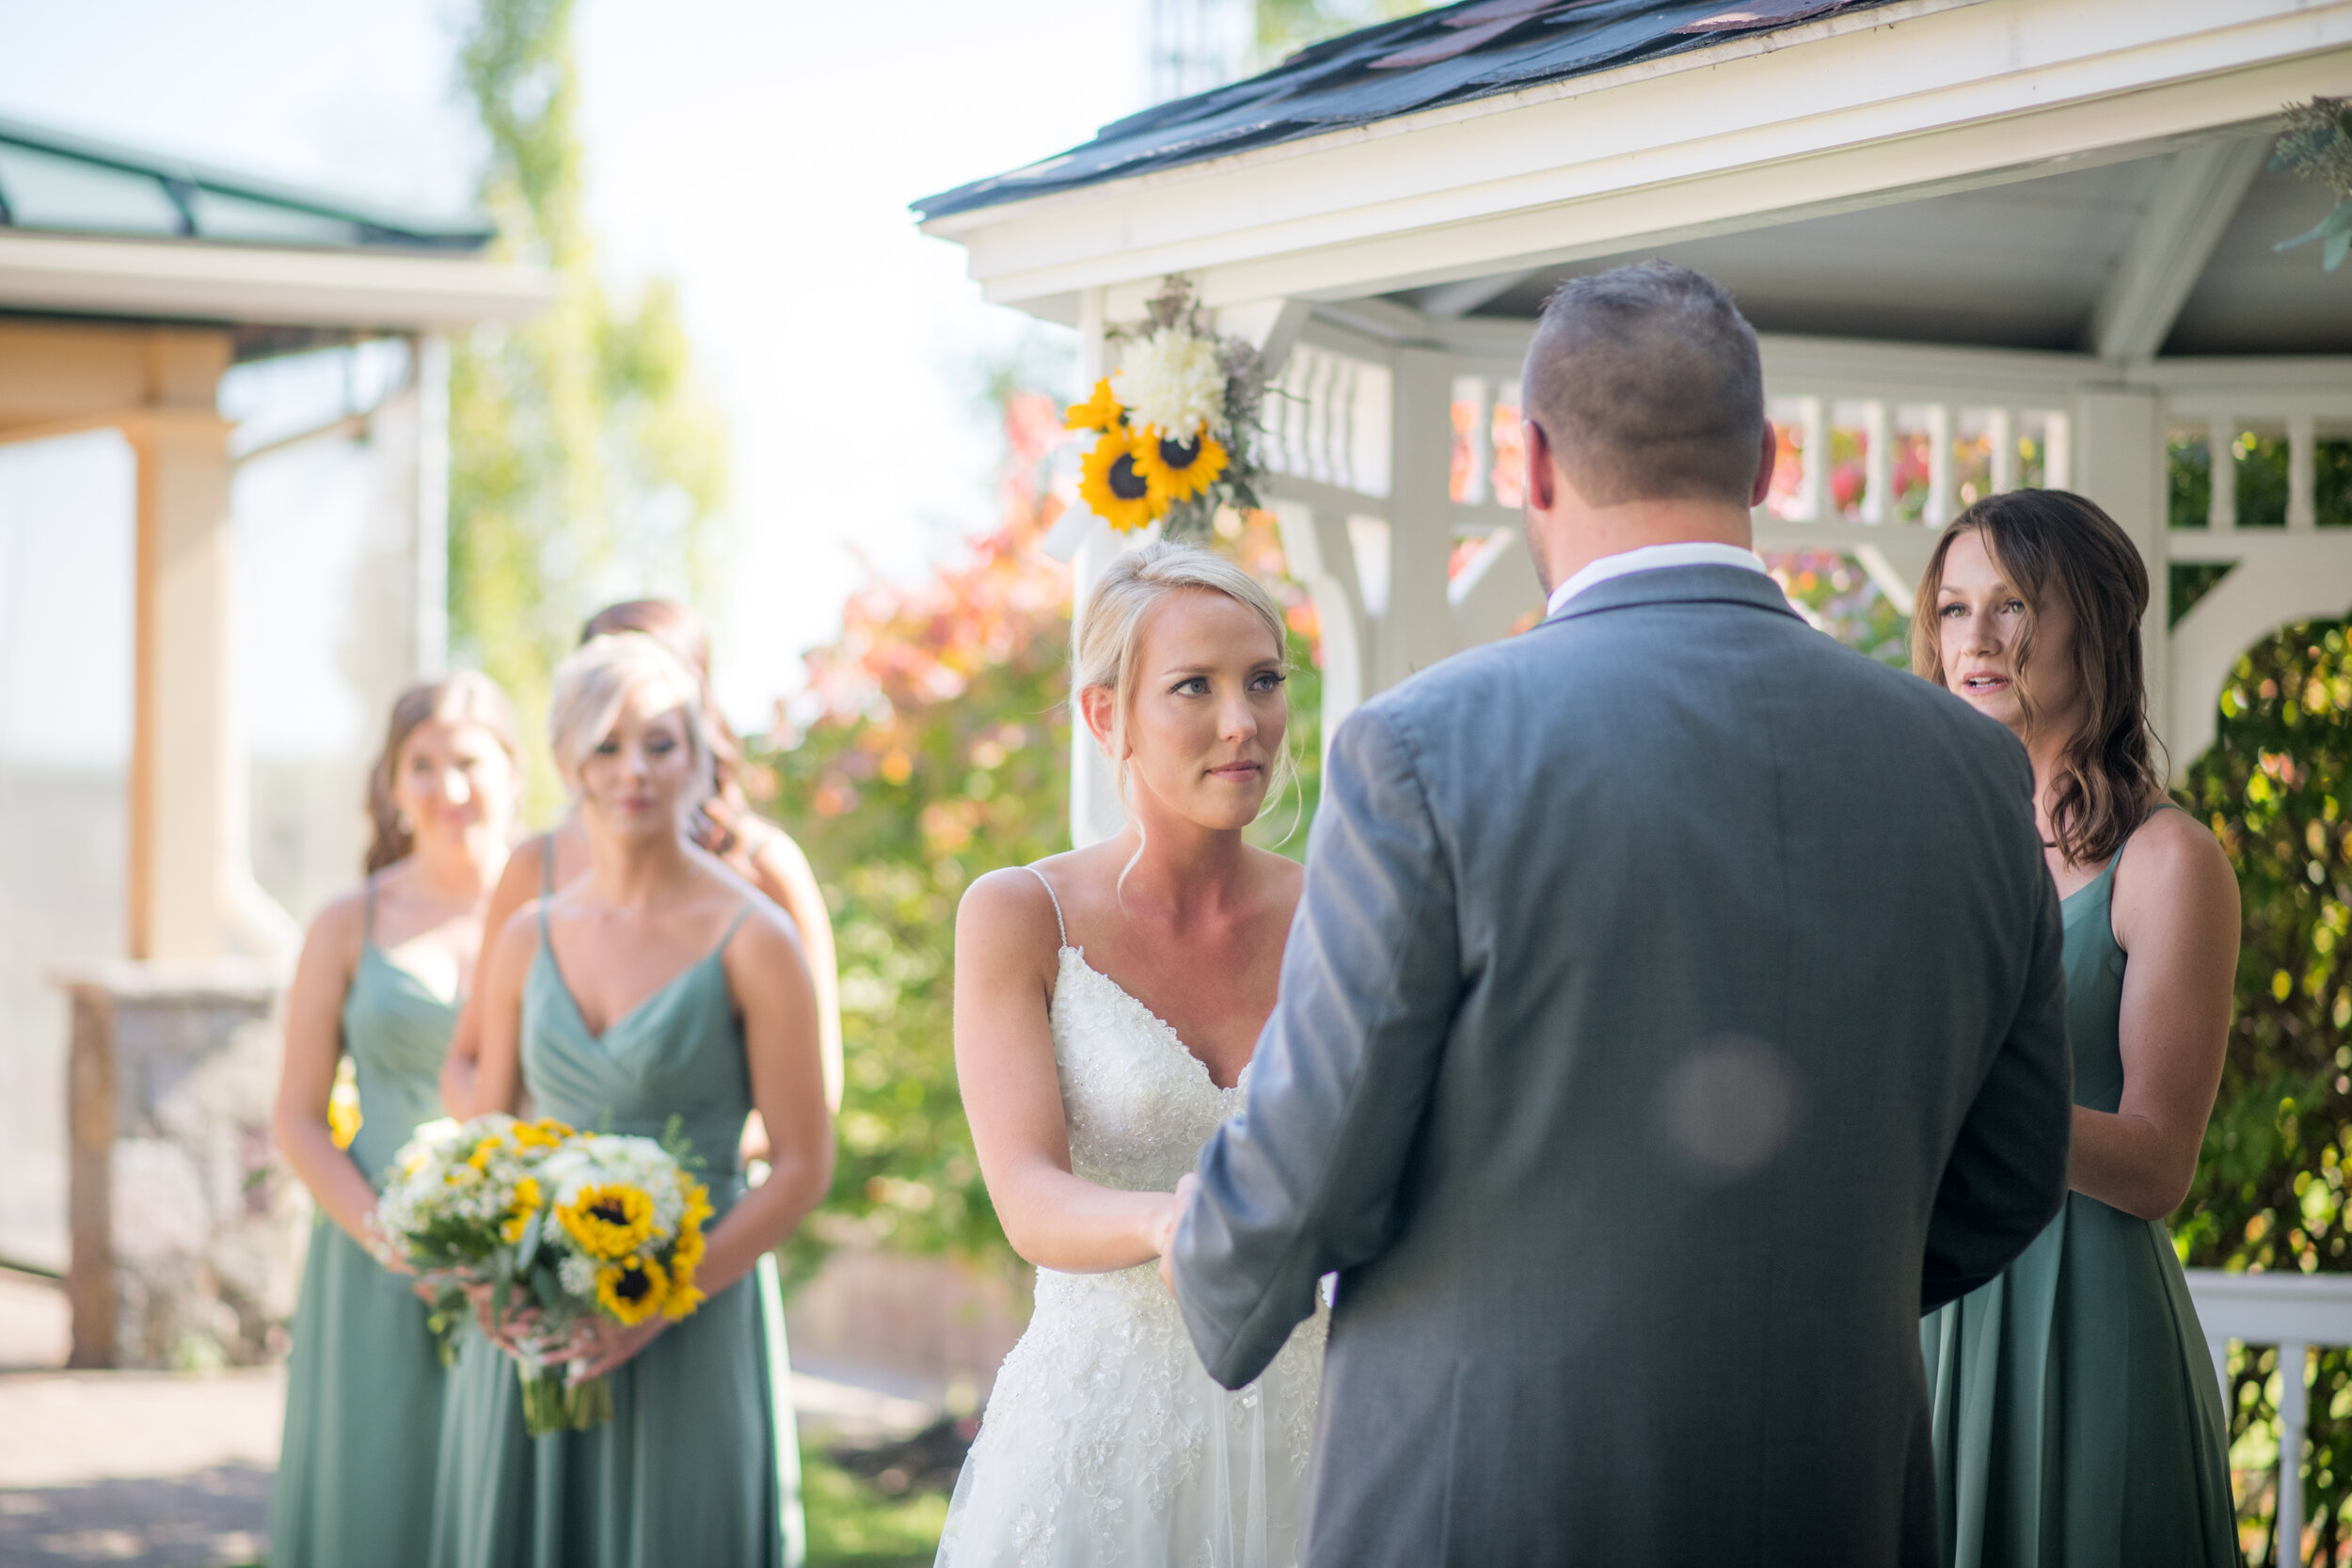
point(1105, 1444)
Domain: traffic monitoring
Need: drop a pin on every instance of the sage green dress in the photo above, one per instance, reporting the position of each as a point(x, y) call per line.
point(356, 1469)
point(700, 1464)
point(2077, 1420)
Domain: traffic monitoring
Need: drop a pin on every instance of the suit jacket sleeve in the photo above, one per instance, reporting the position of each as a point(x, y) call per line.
point(2006, 1179)
point(1305, 1180)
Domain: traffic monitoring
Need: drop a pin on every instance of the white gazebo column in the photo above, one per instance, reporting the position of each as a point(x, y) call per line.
point(1095, 813)
point(430, 612)
point(2117, 461)
point(1418, 627)
point(187, 794)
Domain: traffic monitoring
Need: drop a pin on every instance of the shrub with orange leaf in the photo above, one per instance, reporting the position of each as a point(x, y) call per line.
point(930, 745)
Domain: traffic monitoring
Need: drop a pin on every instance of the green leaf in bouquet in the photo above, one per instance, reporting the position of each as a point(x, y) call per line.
point(527, 1247)
point(677, 1145)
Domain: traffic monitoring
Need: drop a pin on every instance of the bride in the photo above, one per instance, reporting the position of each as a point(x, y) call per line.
point(1107, 1002)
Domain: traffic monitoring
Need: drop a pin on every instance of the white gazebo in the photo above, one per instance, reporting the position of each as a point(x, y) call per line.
point(2020, 240)
point(130, 285)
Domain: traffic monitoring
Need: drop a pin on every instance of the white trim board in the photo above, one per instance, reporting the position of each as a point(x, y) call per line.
point(185, 280)
point(1889, 104)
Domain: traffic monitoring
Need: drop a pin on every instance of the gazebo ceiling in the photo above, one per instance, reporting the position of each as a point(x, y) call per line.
point(2020, 265)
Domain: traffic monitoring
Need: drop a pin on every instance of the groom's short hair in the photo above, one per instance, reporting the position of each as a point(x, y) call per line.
point(1647, 383)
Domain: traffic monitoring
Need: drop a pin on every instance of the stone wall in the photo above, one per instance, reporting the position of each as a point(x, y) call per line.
point(186, 1239)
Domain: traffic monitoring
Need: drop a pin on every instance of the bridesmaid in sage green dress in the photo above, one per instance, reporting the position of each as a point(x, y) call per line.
point(2077, 1420)
point(656, 986)
point(378, 986)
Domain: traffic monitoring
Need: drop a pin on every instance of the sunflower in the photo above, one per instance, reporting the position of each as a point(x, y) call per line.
point(1112, 480)
point(1100, 412)
point(518, 1212)
point(632, 1289)
point(610, 1221)
point(343, 1119)
point(1183, 468)
point(547, 1132)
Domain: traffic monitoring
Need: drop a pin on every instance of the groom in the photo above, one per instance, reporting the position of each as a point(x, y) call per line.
point(1672, 1013)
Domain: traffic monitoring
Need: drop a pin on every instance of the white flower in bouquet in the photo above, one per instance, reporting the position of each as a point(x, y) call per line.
point(1172, 381)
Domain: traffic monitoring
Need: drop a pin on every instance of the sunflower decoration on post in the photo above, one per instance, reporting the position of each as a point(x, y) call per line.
point(1175, 430)
point(2318, 146)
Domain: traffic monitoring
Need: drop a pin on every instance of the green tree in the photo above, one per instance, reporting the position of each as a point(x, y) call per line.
point(1285, 26)
point(583, 463)
point(2271, 1183)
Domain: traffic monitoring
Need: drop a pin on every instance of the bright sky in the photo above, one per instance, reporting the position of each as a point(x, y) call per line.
point(761, 151)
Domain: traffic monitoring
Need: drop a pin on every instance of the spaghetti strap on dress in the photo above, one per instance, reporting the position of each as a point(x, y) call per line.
point(2076, 1416)
point(364, 1381)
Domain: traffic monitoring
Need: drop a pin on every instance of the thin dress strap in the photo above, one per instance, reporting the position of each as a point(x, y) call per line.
point(547, 879)
point(1058, 924)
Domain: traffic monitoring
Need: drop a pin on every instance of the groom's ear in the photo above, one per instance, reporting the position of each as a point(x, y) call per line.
point(1543, 474)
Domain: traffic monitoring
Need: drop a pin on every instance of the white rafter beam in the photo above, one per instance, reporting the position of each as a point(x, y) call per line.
point(1452, 301)
point(2185, 218)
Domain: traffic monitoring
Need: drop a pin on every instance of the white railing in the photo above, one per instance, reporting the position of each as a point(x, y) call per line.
point(2295, 1312)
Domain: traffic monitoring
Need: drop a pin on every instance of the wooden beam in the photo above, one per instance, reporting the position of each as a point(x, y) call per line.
point(1452, 301)
point(2186, 217)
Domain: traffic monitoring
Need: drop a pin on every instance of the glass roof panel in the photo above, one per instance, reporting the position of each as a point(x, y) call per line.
point(46, 191)
point(222, 216)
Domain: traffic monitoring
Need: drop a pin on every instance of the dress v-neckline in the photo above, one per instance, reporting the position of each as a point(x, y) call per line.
point(375, 950)
point(1167, 1029)
point(613, 1026)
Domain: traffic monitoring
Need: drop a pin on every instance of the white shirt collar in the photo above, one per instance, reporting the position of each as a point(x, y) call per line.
point(1651, 558)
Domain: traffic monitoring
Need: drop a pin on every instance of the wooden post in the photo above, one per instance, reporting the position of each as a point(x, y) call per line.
point(89, 1098)
point(187, 776)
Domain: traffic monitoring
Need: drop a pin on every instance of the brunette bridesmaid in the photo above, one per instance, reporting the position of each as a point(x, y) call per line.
point(382, 975)
point(2076, 1416)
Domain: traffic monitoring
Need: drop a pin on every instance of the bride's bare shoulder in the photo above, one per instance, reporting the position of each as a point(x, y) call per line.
point(1009, 905)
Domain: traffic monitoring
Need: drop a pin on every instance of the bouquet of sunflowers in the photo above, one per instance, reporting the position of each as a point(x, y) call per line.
point(563, 1228)
point(1175, 431)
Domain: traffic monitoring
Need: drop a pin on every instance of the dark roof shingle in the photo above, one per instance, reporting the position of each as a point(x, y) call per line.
point(1459, 53)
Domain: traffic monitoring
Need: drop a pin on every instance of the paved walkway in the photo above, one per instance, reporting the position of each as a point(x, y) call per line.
point(174, 1469)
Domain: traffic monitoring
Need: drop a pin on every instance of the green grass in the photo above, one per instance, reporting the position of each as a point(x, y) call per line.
point(853, 1524)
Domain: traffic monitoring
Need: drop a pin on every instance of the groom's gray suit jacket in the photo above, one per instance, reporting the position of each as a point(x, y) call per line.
point(1673, 1012)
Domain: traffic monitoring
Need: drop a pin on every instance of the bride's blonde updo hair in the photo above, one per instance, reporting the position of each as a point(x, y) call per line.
point(1111, 623)
point(597, 680)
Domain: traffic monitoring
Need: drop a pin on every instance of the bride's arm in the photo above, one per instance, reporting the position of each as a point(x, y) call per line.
point(1005, 932)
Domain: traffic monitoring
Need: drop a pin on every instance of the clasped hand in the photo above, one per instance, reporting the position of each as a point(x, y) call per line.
point(1164, 1232)
point(594, 1348)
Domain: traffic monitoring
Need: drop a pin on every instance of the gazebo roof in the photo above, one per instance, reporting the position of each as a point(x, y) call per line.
point(92, 229)
point(51, 183)
point(1453, 54)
